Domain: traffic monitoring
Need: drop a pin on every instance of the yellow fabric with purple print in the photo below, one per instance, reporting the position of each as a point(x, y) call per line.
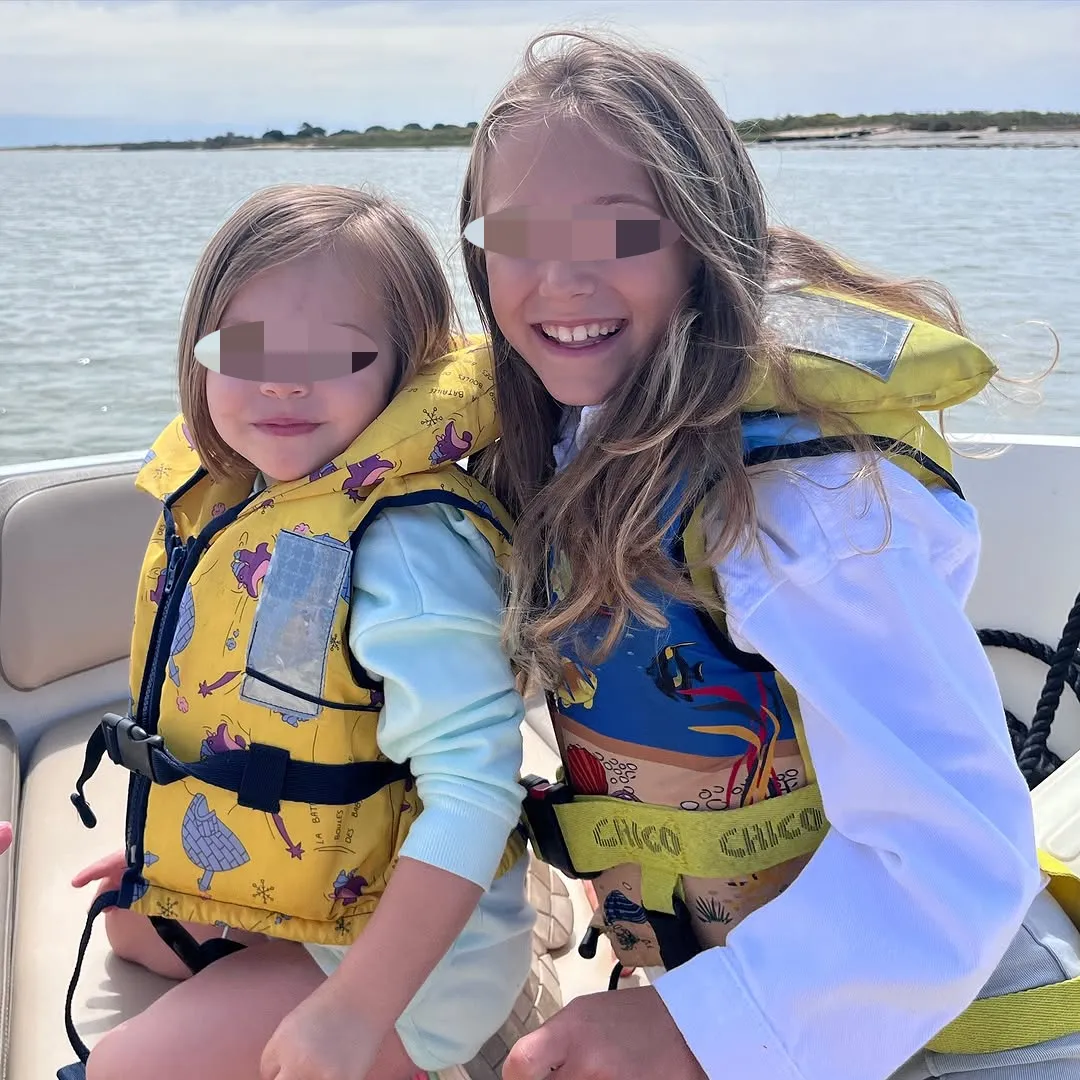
point(240, 651)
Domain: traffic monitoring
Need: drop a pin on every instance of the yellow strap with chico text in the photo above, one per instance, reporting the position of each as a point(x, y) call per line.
point(602, 832)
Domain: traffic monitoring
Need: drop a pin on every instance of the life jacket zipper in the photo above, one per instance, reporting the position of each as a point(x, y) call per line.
point(167, 612)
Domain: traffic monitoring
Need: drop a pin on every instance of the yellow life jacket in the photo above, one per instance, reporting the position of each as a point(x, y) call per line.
point(259, 798)
point(687, 790)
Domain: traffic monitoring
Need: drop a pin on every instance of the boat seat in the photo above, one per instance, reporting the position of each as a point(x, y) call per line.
point(54, 846)
point(71, 543)
point(71, 546)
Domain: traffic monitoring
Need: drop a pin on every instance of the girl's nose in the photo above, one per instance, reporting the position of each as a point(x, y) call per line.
point(284, 390)
point(563, 279)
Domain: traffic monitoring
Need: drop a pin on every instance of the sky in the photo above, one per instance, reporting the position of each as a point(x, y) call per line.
point(82, 71)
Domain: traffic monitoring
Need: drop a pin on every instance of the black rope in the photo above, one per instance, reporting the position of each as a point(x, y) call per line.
point(1036, 761)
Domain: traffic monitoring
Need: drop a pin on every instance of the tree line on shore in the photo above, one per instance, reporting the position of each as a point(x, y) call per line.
point(972, 120)
point(415, 135)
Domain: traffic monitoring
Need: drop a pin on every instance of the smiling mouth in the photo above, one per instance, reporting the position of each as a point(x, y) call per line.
point(581, 335)
point(287, 427)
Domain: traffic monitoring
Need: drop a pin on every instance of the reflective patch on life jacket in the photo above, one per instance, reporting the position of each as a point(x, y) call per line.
point(290, 642)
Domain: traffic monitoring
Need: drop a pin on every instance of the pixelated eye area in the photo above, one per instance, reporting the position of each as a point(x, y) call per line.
point(240, 352)
point(577, 233)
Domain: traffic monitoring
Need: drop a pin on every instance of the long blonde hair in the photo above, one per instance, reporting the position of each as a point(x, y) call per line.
point(665, 437)
point(288, 221)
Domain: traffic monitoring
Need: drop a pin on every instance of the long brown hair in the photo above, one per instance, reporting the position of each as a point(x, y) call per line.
point(665, 437)
point(288, 221)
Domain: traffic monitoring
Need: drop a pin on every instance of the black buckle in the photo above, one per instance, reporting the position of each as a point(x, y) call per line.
point(128, 745)
point(545, 835)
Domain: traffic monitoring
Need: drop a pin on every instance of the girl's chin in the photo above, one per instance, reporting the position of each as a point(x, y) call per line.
point(576, 393)
point(577, 401)
point(579, 377)
point(284, 472)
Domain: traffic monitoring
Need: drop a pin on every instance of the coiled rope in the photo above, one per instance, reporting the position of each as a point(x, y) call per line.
point(1036, 761)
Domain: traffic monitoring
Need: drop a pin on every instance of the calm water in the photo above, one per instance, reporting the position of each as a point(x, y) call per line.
point(96, 250)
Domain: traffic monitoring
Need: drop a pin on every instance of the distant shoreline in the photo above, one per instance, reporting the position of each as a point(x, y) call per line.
point(896, 131)
point(899, 139)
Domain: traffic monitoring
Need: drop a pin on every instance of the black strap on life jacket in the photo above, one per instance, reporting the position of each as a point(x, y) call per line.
point(839, 444)
point(193, 954)
point(262, 776)
point(103, 902)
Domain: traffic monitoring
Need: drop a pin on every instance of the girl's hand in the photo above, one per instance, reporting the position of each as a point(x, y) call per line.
point(615, 1035)
point(326, 1037)
point(5, 836)
point(108, 869)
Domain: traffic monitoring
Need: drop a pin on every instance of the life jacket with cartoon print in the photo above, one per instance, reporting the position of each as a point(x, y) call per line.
point(687, 791)
point(259, 798)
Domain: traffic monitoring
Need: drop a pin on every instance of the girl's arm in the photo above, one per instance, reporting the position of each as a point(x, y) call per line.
point(5, 836)
point(929, 868)
point(426, 618)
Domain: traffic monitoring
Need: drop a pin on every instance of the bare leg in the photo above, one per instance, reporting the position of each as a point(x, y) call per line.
point(215, 1025)
point(133, 937)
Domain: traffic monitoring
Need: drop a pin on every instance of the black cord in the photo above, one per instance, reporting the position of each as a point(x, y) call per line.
point(1036, 761)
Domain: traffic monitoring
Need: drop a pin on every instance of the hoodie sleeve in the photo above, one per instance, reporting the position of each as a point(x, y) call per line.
point(426, 618)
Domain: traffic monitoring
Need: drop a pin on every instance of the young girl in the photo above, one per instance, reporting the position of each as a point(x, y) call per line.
point(871, 868)
point(326, 758)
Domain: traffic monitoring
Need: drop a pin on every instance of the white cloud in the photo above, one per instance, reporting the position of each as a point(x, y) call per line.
point(258, 64)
